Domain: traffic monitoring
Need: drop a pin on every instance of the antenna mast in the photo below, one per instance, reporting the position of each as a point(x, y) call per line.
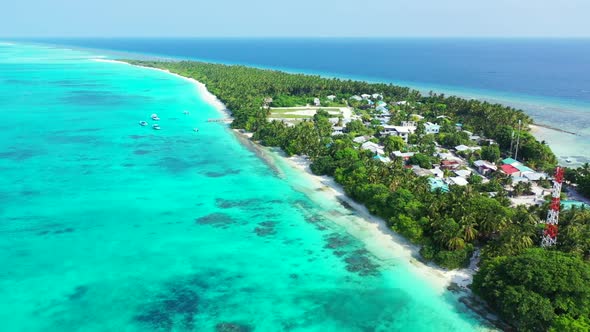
point(550, 234)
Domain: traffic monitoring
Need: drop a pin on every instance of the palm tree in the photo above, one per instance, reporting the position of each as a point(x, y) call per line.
point(456, 243)
point(469, 229)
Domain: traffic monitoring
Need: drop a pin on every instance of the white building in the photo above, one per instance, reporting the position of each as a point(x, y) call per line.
point(437, 172)
point(365, 96)
point(316, 101)
point(459, 181)
point(403, 155)
point(402, 131)
point(431, 128)
point(336, 130)
point(373, 147)
point(464, 173)
point(462, 148)
point(357, 98)
point(331, 97)
point(377, 96)
point(361, 139)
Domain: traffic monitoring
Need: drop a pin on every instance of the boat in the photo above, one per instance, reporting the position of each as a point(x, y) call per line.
point(186, 112)
point(568, 160)
point(155, 117)
point(196, 129)
point(156, 127)
point(143, 123)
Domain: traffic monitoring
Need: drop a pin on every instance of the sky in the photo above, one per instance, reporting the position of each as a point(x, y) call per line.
point(295, 18)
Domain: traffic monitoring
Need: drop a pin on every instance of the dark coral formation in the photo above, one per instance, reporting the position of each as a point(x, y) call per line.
point(219, 220)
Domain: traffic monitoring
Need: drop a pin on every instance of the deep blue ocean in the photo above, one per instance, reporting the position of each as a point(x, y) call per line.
point(548, 78)
point(553, 68)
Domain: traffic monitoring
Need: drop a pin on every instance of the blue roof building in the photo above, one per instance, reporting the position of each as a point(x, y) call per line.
point(510, 161)
point(436, 184)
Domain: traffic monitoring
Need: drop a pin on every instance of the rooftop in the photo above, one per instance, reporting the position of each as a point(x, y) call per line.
point(509, 169)
point(509, 161)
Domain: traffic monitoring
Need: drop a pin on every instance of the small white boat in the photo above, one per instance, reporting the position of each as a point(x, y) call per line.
point(186, 112)
point(143, 123)
point(196, 129)
point(155, 117)
point(568, 160)
point(156, 127)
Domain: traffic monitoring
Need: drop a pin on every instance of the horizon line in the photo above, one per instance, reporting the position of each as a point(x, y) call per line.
point(296, 37)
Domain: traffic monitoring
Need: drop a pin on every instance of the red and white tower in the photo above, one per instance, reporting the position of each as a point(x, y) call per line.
point(550, 233)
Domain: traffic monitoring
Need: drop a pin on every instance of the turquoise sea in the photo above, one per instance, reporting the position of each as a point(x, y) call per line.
point(109, 226)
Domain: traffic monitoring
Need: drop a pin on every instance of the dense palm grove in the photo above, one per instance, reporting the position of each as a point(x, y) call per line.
point(532, 289)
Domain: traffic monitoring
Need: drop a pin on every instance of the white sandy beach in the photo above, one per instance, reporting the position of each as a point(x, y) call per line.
point(380, 239)
point(373, 231)
point(201, 88)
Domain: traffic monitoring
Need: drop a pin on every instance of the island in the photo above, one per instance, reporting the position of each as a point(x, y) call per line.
point(463, 179)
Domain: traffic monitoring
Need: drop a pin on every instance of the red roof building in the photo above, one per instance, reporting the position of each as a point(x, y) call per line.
point(449, 164)
point(509, 169)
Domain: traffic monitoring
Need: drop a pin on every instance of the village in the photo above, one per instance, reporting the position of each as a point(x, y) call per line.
point(445, 166)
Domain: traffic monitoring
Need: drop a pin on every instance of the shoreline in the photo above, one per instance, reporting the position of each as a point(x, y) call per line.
point(209, 98)
point(379, 239)
point(383, 236)
point(386, 244)
point(438, 277)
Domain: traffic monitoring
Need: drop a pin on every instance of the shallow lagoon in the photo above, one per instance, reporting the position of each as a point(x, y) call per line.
point(109, 226)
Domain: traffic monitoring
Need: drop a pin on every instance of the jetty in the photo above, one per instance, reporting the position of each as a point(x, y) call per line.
point(220, 120)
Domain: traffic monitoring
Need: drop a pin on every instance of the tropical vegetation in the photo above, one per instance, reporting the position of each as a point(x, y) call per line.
point(532, 289)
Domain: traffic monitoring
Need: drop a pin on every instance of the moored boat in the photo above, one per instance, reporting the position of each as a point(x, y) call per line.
point(143, 123)
point(156, 127)
point(155, 117)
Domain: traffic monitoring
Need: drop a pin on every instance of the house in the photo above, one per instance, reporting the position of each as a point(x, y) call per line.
point(475, 138)
point(381, 103)
point(401, 131)
point(377, 96)
point(331, 97)
point(522, 168)
point(459, 181)
point(431, 128)
point(534, 176)
point(419, 171)
point(382, 159)
point(518, 179)
point(459, 126)
point(468, 132)
point(384, 119)
point(403, 155)
point(484, 167)
point(365, 96)
point(438, 184)
point(450, 164)
point(316, 101)
point(510, 170)
point(437, 172)
point(442, 117)
point(357, 98)
point(462, 148)
point(464, 173)
point(373, 147)
point(336, 130)
point(510, 161)
point(361, 139)
point(401, 103)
